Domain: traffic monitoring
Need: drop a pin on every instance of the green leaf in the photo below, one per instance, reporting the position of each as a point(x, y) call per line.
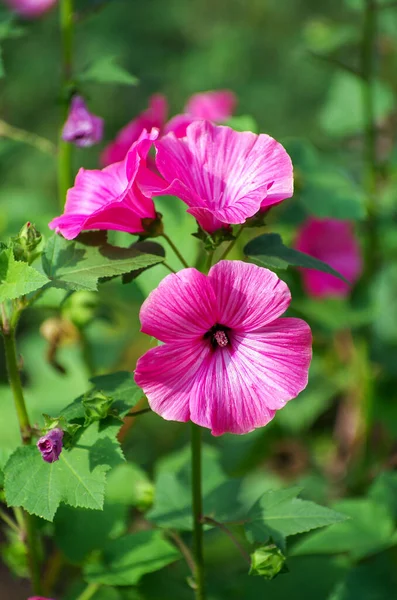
point(278, 514)
point(106, 70)
point(128, 558)
point(269, 251)
point(343, 114)
point(384, 491)
point(17, 278)
point(120, 386)
point(77, 478)
point(370, 529)
point(139, 492)
point(75, 266)
point(172, 503)
point(376, 579)
point(384, 294)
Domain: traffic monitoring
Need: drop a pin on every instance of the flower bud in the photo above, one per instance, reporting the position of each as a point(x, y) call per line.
point(267, 561)
point(96, 405)
point(82, 128)
point(26, 242)
point(50, 445)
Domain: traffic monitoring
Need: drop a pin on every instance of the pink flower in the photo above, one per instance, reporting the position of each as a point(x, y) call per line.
point(154, 116)
point(228, 362)
point(217, 106)
point(30, 9)
point(224, 176)
point(333, 242)
point(118, 197)
point(38, 598)
point(50, 445)
point(82, 127)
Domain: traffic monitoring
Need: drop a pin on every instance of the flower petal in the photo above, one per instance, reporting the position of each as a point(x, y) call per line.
point(248, 296)
point(216, 105)
point(166, 375)
point(227, 172)
point(238, 388)
point(182, 307)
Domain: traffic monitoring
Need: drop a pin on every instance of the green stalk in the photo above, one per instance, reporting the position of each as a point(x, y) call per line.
point(232, 243)
point(65, 149)
point(89, 591)
point(175, 249)
point(197, 503)
point(32, 540)
point(370, 159)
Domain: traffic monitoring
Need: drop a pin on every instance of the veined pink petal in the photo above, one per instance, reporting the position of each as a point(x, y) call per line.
point(230, 174)
point(216, 105)
point(183, 307)
point(154, 116)
point(167, 374)
point(333, 242)
point(248, 296)
point(111, 198)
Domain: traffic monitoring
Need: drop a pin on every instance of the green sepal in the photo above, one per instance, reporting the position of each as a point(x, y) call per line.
point(96, 406)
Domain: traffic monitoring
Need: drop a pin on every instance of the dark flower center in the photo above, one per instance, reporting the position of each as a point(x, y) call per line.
point(218, 336)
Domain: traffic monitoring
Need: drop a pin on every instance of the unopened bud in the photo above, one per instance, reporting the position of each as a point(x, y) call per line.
point(50, 445)
point(26, 242)
point(267, 562)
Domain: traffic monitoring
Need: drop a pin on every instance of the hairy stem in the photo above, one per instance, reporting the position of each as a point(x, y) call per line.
point(65, 149)
point(197, 503)
point(175, 249)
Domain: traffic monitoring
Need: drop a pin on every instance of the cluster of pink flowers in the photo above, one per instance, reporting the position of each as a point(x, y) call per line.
point(227, 360)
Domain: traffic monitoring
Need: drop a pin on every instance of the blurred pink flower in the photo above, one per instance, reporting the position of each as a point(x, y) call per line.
point(82, 128)
point(30, 9)
point(224, 176)
point(217, 106)
point(227, 361)
point(154, 116)
point(333, 242)
point(118, 197)
point(50, 445)
point(38, 598)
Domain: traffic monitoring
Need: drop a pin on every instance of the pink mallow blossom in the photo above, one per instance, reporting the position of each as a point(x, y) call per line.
point(30, 9)
point(227, 362)
point(118, 197)
point(217, 106)
point(82, 128)
point(224, 176)
point(154, 116)
point(50, 445)
point(333, 242)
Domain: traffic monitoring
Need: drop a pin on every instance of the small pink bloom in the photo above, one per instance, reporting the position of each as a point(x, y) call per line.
point(50, 445)
point(154, 116)
point(30, 9)
point(217, 105)
point(227, 362)
point(118, 197)
point(82, 128)
point(38, 598)
point(224, 176)
point(333, 242)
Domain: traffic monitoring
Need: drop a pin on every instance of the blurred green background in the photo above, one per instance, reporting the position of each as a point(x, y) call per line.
point(292, 66)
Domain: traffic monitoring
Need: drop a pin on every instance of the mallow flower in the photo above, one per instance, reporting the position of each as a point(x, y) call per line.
point(82, 128)
point(227, 361)
point(154, 116)
point(50, 445)
point(216, 105)
point(30, 9)
point(224, 176)
point(118, 197)
point(333, 242)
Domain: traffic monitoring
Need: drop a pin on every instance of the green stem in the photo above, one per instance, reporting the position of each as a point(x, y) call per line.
point(197, 503)
point(65, 149)
point(7, 519)
point(209, 260)
point(230, 535)
point(143, 411)
point(232, 244)
point(26, 137)
point(14, 378)
point(89, 591)
point(370, 159)
point(175, 249)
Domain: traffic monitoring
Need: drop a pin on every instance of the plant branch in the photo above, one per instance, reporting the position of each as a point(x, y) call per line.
point(175, 249)
point(89, 591)
point(7, 519)
point(230, 535)
point(197, 503)
point(183, 549)
point(335, 62)
point(232, 243)
point(26, 137)
point(138, 412)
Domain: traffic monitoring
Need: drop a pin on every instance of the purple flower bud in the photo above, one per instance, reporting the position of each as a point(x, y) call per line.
point(82, 128)
point(50, 445)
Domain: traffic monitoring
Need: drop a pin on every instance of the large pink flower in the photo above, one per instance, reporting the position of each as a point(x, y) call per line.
point(224, 176)
point(154, 116)
point(216, 105)
point(118, 197)
point(228, 362)
point(333, 242)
